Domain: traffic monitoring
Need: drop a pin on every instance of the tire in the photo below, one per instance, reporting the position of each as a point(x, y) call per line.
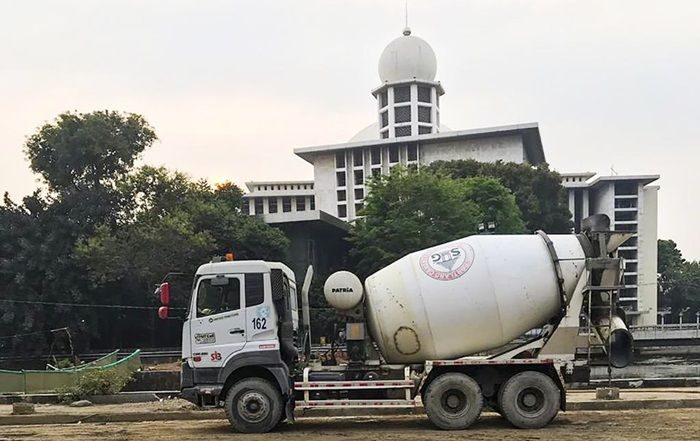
point(254, 405)
point(529, 400)
point(453, 401)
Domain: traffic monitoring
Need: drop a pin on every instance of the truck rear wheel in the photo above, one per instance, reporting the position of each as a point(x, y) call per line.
point(453, 401)
point(529, 400)
point(253, 405)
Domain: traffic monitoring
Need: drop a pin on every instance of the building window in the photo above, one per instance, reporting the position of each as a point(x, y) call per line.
point(412, 152)
point(402, 114)
point(376, 172)
point(245, 208)
point(312, 203)
point(301, 203)
point(402, 94)
point(385, 118)
point(286, 204)
point(340, 160)
point(258, 206)
point(424, 114)
point(359, 176)
point(424, 94)
point(423, 130)
point(376, 155)
point(403, 131)
point(383, 99)
point(385, 134)
point(357, 159)
point(358, 209)
point(342, 211)
point(393, 153)
point(272, 205)
point(626, 188)
point(342, 195)
point(359, 193)
point(340, 178)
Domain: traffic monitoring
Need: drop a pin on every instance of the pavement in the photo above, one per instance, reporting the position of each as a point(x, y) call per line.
point(176, 409)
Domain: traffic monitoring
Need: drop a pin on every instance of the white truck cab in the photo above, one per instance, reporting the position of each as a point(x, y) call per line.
point(242, 317)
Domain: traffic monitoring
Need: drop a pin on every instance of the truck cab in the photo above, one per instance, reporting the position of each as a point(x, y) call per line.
point(242, 317)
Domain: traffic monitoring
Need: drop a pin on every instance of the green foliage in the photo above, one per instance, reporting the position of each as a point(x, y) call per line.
point(408, 210)
point(96, 381)
point(538, 191)
point(494, 203)
point(88, 150)
point(679, 279)
point(64, 363)
point(104, 232)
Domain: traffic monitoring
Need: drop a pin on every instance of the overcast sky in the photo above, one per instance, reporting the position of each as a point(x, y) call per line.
point(231, 87)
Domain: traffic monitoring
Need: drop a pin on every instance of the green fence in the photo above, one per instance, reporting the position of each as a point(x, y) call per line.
point(32, 381)
point(102, 361)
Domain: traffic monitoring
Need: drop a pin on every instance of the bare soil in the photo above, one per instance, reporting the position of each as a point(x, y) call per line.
point(677, 424)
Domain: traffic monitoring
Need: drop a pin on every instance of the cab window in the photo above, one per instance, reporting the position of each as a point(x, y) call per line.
point(218, 295)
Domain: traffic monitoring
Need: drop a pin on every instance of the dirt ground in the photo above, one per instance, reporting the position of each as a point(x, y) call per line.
point(678, 424)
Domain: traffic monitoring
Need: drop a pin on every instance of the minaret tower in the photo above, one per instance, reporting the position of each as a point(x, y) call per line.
point(408, 99)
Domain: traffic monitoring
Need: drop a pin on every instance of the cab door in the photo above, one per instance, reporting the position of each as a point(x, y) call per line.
point(218, 327)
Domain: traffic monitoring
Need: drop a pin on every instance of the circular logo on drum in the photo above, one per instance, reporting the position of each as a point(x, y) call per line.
point(448, 263)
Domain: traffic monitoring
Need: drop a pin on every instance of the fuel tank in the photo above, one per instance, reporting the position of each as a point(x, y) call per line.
point(468, 296)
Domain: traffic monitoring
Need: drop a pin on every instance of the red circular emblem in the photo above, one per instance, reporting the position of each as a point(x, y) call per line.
point(448, 263)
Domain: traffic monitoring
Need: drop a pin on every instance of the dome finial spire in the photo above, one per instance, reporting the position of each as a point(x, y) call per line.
point(406, 29)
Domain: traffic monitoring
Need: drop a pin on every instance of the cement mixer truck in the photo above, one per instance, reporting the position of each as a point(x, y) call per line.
point(488, 321)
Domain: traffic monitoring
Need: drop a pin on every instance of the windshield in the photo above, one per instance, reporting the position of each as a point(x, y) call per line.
point(219, 296)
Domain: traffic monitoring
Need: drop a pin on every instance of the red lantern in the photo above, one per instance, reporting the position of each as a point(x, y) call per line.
point(164, 293)
point(163, 312)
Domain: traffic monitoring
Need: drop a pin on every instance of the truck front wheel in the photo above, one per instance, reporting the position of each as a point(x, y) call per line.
point(529, 400)
point(253, 405)
point(453, 401)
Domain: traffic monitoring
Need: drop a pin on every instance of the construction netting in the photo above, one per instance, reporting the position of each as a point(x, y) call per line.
point(36, 381)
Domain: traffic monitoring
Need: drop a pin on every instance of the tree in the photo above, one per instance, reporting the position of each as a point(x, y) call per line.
point(495, 203)
point(80, 157)
point(408, 210)
point(100, 232)
point(88, 150)
point(538, 191)
point(170, 223)
point(679, 280)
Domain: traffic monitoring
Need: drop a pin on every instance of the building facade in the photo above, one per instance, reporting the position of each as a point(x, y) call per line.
point(631, 204)
point(408, 132)
point(341, 171)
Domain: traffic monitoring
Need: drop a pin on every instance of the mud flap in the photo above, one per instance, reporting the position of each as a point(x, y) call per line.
point(289, 410)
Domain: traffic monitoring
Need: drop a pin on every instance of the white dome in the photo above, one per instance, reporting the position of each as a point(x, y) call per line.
point(407, 58)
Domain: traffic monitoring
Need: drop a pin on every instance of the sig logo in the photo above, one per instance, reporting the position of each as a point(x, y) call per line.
point(215, 356)
point(342, 290)
point(448, 263)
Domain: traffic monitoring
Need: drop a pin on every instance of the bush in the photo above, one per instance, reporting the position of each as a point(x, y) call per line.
point(64, 363)
point(97, 382)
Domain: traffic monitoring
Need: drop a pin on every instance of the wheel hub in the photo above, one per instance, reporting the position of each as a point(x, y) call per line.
point(253, 406)
point(531, 400)
point(454, 401)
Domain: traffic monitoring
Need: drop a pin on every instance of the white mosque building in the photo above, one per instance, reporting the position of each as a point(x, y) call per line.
point(408, 131)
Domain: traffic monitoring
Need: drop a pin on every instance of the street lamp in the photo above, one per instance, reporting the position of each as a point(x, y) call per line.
point(487, 227)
